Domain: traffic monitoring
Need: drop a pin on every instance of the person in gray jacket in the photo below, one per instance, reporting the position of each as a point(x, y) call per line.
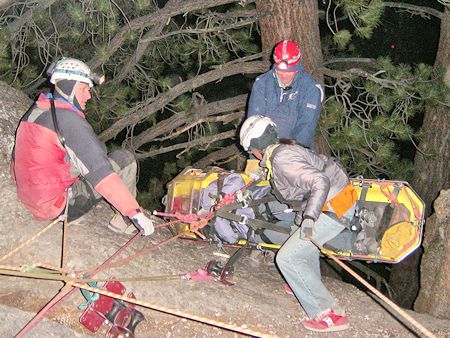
point(310, 183)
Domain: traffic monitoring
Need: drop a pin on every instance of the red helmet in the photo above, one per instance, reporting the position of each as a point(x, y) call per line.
point(286, 55)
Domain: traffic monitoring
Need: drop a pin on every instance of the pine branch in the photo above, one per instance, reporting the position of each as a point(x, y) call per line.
point(214, 157)
point(171, 9)
point(414, 8)
point(175, 121)
point(140, 51)
point(162, 99)
point(202, 31)
point(153, 35)
point(211, 119)
point(27, 17)
point(360, 72)
point(188, 145)
point(349, 60)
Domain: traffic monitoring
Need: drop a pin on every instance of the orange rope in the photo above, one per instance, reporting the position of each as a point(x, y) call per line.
point(36, 235)
point(28, 267)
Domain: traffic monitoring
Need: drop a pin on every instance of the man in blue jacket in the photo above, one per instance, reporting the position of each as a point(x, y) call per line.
point(288, 95)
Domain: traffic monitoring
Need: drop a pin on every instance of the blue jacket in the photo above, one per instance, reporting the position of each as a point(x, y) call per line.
point(295, 111)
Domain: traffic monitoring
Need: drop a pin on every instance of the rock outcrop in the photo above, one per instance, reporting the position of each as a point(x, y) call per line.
point(434, 293)
point(13, 104)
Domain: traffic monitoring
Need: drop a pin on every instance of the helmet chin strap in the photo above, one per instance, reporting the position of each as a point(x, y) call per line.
point(71, 98)
point(63, 89)
point(257, 154)
point(72, 94)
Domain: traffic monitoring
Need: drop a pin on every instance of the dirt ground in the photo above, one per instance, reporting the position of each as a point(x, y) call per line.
point(257, 301)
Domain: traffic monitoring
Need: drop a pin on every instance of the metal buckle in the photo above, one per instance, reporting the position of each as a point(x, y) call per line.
point(243, 220)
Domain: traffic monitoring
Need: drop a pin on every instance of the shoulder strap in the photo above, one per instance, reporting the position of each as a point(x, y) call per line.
point(55, 123)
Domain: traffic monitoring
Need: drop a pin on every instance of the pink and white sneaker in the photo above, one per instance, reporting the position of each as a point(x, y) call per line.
point(327, 321)
point(288, 289)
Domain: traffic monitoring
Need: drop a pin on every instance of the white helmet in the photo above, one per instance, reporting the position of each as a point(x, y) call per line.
point(70, 69)
point(253, 128)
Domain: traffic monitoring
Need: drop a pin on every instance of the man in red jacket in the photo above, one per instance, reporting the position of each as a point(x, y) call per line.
point(57, 149)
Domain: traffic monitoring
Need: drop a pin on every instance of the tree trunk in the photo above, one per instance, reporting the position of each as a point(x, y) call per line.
point(431, 175)
point(435, 266)
point(294, 20)
point(298, 21)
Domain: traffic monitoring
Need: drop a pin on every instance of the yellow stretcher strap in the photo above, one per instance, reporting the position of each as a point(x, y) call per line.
point(343, 201)
point(268, 154)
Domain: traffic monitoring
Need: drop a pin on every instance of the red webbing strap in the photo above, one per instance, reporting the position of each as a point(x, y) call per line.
point(194, 226)
point(389, 195)
point(414, 206)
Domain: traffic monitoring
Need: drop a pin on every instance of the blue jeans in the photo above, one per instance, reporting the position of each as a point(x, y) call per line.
point(298, 261)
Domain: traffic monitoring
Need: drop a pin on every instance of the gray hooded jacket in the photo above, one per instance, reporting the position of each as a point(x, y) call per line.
point(304, 179)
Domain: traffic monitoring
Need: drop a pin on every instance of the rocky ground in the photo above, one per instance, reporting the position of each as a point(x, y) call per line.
point(257, 301)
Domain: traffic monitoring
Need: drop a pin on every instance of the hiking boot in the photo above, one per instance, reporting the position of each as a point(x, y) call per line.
point(327, 321)
point(121, 226)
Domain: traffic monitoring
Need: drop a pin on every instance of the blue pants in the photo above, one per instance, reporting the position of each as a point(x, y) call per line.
point(298, 261)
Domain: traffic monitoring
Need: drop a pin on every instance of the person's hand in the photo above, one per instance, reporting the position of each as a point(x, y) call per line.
point(307, 229)
point(143, 223)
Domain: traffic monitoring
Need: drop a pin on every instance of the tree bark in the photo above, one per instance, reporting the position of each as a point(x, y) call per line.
point(294, 20)
point(430, 176)
point(435, 266)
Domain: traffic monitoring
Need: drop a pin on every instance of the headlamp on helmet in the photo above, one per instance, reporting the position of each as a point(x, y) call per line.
point(286, 55)
point(282, 65)
point(98, 79)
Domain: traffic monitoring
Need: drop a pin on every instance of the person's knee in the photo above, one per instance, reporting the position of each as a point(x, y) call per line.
point(282, 258)
point(304, 252)
point(122, 157)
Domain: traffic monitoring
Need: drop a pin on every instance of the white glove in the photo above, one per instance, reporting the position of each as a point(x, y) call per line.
point(143, 223)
